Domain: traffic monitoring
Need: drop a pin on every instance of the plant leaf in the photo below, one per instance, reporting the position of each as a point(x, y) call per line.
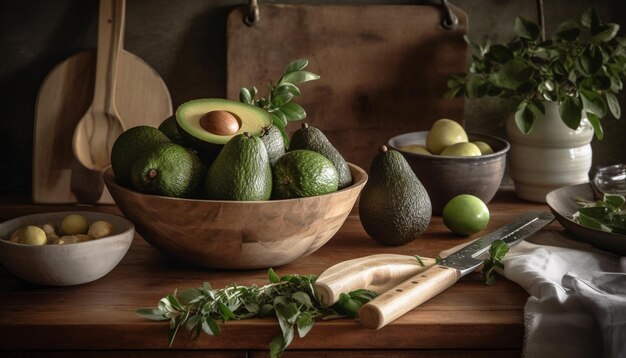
point(151, 313)
point(513, 74)
point(593, 102)
point(305, 323)
point(293, 111)
point(590, 60)
point(571, 112)
point(245, 96)
point(277, 346)
point(524, 118)
point(595, 123)
point(590, 18)
point(302, 298)
point(568, 31)
point(272, 276)
point(606, 32)
point(613, 104)
point(526, 29)
point(296, 65)
point(299, 77)
point(279, 119)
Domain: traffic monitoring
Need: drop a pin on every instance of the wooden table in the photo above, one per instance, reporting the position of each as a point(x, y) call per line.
point(98, 318)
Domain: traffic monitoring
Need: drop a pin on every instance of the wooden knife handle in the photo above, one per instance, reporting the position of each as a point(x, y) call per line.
point(409, 294)
point(375, 272)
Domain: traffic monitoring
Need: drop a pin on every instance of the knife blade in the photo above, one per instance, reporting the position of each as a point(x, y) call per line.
point(425, 285)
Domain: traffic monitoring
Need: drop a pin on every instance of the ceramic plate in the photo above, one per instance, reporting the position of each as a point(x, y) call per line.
point(563, 205)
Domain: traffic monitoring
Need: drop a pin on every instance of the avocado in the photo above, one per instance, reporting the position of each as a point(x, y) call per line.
point(313, 139)
point(129, 146)
point(241, 171)
point(208, 123)
point(394, 207)
point(274, 143)
point(169, 170)
point(170, 129)
point(302, 173)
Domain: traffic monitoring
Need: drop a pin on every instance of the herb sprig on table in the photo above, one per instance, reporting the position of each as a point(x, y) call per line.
point(608, 214)
point(290, 298)
point(497, 251)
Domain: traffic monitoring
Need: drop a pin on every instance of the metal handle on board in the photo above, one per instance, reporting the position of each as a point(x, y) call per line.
point(449, 21)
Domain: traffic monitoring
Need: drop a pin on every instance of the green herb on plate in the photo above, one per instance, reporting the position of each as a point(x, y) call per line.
point(608, 214)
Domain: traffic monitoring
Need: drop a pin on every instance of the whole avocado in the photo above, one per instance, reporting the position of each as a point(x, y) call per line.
point(394, 207)
point(313, 139)
point(274, 143)
point(241, 171)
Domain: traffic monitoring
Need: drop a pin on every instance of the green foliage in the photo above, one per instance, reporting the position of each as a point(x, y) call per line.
point(279, 102)
point(497, 251)
point(290, 298)
point(608, 214)
point(582, 68)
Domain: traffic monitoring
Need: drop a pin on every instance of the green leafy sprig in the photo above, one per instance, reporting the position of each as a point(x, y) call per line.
point(497, 251)
point(279, 101)
point(290, 298)
point(582, 68)
point(608, 214)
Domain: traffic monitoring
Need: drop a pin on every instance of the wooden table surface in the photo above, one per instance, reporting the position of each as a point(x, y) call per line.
point(467, 319)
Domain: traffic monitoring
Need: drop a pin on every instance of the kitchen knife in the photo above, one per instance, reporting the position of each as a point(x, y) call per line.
point(425, 285)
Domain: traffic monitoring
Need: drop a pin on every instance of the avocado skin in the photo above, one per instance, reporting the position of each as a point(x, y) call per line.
point(129, 146)
point(274, 143)
point(172, 131)
point(179, 172)
point(394, 207)
point(241, 171)
point(314, 139)
point(301, 173)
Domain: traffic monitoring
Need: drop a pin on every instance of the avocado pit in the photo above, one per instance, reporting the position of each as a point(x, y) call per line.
point(220, 122)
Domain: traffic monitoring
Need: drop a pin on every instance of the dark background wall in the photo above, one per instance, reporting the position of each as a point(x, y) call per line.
point(184, 41)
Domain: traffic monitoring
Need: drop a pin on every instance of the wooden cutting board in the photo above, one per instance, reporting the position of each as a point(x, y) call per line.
point(141, 97)
point(383, 68)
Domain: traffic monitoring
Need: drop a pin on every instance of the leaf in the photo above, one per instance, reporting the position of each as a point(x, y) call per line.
point(498, 249)
point(226, 313)
point(298, 77)
point(245, 96)
point(613, 104)
point(281, 99)
point(500, 53)
point(537, 107)
point(278, 118)
point(419, 261)
point(590, 18)
point(272, 276)
point(296, 65)
point(593, 102)
point(293, 111)
point(590, 60)
point(302, 298)
point(305, 323)
point(606, 32)
point(190, 296)
point(348, 306)
point(568, 31)
point(253, 307)
point(513, 74)
point(209, 326)
point(151, 313)
point(614, 201)
point(571, 112)
point(524, 118)
point(277, 346)
point(526, 29)
point(476, 86)
point(595, 123)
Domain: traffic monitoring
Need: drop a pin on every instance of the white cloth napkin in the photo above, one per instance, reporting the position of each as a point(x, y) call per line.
point(577, 306)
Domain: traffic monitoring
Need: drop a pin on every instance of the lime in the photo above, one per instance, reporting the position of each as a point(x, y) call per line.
point(465, 214)
point(484, 147)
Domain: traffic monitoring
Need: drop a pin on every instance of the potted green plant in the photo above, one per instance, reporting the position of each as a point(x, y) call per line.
point(567, 83)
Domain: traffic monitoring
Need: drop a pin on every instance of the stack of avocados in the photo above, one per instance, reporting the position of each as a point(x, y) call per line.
point(225, 150)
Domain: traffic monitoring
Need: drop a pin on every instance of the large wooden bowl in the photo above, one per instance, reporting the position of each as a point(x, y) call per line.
point(237, 234)
point(446, 177)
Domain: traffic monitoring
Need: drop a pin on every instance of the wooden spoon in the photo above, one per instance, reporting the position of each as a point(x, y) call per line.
point(97, 130)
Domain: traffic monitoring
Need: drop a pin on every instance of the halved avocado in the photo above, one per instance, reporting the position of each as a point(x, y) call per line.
point(208, 123)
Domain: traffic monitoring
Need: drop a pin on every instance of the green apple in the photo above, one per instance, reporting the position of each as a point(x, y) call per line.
point(465, 149)
point(465, 214)
point(443, 133)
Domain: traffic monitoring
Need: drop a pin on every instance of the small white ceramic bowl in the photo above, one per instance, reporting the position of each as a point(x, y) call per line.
point(69, 264)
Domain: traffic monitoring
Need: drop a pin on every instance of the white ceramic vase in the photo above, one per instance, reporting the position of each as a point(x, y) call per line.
point(549, 157)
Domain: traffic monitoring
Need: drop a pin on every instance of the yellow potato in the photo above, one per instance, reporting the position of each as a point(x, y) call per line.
point(100, 229)
point(74, 224)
